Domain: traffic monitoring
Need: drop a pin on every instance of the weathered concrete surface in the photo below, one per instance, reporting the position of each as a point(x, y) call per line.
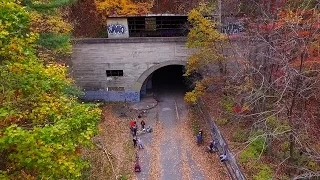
point(135, 56)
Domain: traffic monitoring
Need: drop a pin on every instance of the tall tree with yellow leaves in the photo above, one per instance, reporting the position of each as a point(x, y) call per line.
point(209, 43)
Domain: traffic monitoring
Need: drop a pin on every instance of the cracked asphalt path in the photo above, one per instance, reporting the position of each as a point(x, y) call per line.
point(166, 156)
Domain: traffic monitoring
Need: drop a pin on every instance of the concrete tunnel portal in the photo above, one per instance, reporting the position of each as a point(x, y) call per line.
point(167, 79)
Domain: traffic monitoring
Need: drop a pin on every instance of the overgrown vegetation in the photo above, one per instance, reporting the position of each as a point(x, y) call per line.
point(122, 7)
point(275, 89)
point(113, 155)
point(209, 42)
point(42, 125)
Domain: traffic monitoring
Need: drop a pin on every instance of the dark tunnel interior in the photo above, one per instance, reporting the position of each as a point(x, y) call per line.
point(169, 79)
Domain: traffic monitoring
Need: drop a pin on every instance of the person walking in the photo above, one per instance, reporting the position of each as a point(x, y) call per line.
point(140, 145)
point(134, 139)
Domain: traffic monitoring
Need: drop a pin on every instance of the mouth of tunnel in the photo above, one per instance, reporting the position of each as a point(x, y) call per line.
point(168, 79)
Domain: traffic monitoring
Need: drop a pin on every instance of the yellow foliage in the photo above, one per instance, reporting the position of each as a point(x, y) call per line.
point(122, 7)
point(16, 47)
point(192, 65)
point(198, 91)
point(209, 41)
point(203, 32)
point(203, 57)
point(46, 23)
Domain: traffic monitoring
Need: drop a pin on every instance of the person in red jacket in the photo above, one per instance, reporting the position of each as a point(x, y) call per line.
point(131, 123)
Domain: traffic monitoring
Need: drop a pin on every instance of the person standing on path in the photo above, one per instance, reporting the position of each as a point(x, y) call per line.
point(143, 124)
point(132, 123)
point(134, 139)
point(134, 130)
point(140, 143)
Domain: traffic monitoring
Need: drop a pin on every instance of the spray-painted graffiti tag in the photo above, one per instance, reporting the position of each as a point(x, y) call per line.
point(116, 29)
point(232, 28)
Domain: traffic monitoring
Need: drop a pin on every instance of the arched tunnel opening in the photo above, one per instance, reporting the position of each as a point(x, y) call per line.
point(168, 79)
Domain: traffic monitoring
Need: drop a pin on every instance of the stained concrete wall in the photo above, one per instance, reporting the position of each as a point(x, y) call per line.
point(137, 57)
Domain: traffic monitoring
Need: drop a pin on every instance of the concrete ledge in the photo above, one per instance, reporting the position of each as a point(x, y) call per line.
point(128, 40)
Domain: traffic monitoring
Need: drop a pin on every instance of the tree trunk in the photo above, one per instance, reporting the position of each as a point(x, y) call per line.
point(290, 112)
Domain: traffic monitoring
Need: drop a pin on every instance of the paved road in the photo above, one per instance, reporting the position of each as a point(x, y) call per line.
point(175, 161)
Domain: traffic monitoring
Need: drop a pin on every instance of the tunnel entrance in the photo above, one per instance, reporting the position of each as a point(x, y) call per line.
point(168, 79)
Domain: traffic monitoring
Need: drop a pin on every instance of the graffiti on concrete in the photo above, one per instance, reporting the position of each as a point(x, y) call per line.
point(132, 96)
point(232, 28)
point(101, 95)
point(116, 29)
point(95, 96)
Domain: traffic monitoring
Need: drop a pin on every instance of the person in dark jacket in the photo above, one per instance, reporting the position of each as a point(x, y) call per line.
point(143, 124)
point(134, 139)
point(134, 130)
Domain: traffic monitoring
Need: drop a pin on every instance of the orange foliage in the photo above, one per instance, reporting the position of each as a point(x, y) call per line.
point(302, 25)
point(85, 19)
point(122, 7)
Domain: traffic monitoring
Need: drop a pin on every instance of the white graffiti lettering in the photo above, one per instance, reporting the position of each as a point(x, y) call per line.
point(232, 28)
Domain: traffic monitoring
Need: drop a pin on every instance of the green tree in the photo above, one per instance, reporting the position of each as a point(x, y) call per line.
point(42, 125)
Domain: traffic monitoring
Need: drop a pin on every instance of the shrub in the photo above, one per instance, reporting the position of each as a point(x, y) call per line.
point(253, 151)
point(240, 135)
point(264, 173)
point(222, 121)
point(124, 177)
point(227, 103)
point(276, 124)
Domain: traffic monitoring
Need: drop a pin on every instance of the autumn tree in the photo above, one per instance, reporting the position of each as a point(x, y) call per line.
point(122, 7)
point(209, 44)
point(279, 84)
point(175, 7)
point(42, 125)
